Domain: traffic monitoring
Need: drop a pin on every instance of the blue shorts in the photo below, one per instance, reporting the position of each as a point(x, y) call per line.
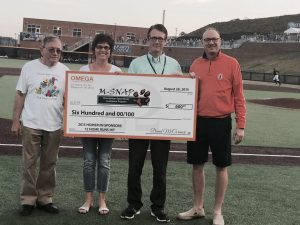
point(213, 134)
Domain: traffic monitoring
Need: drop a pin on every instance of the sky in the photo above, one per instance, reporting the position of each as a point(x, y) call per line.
point(180, 15)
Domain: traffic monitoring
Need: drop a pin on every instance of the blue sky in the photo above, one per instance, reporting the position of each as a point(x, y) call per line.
point(180, 15)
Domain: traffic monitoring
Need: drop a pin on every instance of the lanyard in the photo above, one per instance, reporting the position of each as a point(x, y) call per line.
point(153, 67)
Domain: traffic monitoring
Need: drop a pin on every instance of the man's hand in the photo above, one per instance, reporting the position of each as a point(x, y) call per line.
point(238, 135)
point(16, 128)
point(192, 75)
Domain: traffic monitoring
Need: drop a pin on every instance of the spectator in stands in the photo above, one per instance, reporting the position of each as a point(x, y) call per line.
point(220, 94)
point(38, 115)
point(97, 151)
point(65, 46)
point(276, 77)
point(154, 62)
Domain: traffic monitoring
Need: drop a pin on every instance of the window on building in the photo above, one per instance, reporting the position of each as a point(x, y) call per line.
point(100, 32)
point(130, 36)
point(76, 32)
point(57, 31)
point(33, 29)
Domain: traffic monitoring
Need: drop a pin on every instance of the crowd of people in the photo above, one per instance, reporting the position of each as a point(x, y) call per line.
point(189, 42)
point(38, 118)
point(182, 42)
point(270, 38)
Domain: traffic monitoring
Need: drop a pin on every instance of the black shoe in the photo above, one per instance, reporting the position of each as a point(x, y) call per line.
point(129, 213)
point(50, 208)
point(160, 216)
point(26, 210)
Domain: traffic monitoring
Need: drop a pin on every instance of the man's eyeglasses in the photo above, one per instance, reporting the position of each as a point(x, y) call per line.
point(105, 47)
point(154, 39)
point(54, 50)
point(208, 40)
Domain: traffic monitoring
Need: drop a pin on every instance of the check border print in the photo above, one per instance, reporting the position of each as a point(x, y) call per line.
point(141, 106)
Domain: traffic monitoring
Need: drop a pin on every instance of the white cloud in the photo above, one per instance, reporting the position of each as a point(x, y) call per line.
point(63, 3)
point(190, 1)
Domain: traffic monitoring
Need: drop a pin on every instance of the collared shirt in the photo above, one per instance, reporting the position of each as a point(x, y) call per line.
point(141, 65)
point(220, 88)
point(158, 59)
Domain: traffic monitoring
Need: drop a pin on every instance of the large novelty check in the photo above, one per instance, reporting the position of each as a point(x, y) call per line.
point(130, 106)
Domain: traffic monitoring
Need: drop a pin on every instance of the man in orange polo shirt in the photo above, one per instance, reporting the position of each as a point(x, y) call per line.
point(220, 94)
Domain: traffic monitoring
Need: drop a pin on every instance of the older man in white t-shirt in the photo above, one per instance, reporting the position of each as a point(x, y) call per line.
point(38, 116)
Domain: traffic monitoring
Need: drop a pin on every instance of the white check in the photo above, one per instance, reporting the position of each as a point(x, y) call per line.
point(130, 106)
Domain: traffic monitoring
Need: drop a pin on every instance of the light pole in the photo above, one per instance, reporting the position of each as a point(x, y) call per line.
point(115, 32)
point(163, 19)
point(90, 51)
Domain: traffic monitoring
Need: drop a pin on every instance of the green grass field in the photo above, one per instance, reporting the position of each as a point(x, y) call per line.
point(14, 63)
point(257, 195)
point(271, 126)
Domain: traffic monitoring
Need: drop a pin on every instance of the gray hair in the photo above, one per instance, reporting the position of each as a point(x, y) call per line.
point(211, 28)
point(49, 39)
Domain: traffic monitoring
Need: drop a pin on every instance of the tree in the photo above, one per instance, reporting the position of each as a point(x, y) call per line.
point(182, 33)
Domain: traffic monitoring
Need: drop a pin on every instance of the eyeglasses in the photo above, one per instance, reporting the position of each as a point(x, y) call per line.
point(208, 40)
point(159, 39)
point(54, 50)
point(105, 47)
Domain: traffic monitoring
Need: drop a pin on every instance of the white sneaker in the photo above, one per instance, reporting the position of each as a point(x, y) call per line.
point(191, 214)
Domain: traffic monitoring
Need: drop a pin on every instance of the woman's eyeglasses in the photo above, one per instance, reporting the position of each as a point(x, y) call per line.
point(105, 47)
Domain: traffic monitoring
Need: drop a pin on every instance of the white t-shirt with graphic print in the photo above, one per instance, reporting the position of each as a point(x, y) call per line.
point(44, 88)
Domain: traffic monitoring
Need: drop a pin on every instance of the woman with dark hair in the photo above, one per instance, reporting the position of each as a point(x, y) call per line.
point(97, 151)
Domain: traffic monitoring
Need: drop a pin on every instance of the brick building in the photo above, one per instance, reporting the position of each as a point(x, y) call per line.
point(76, 37)
point(76, 34)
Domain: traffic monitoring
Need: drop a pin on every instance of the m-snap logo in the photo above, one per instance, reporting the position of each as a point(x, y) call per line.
point(82, 78)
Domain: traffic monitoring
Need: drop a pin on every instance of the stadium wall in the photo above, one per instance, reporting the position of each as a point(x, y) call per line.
point(185, 56)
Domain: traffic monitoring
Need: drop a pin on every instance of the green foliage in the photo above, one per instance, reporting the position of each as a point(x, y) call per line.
point(256, 195)
point(233, 29)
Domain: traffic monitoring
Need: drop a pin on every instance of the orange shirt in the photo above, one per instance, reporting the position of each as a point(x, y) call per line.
point(220, 88)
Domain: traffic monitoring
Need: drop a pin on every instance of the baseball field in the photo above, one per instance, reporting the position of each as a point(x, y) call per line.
point(264, 184)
